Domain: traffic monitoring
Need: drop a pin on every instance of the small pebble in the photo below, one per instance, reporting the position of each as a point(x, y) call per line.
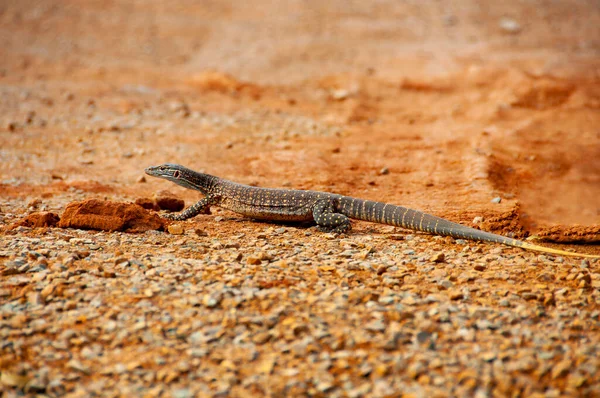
point(438, 258)
point(200, 232)
point(253, 260)
point(175, 229)
point(13, 380)
point(509, 25)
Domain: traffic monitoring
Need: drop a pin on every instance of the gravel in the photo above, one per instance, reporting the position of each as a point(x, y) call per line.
point(274, 310)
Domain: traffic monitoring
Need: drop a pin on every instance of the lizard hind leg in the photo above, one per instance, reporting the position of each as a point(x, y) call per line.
point(328, 220)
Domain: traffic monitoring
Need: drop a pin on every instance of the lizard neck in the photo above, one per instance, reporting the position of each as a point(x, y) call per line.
point(202, 182)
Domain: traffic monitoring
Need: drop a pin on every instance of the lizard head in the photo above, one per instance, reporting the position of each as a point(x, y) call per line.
point(180, 175)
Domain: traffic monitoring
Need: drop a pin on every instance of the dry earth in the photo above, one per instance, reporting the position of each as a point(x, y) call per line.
point(485, 113)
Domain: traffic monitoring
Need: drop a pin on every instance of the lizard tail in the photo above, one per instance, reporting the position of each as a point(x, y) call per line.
point(399, 216)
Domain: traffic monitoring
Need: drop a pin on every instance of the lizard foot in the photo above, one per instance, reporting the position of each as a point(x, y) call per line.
point(340, 229)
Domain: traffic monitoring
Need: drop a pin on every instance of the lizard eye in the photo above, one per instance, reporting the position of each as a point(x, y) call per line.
point(177, 174)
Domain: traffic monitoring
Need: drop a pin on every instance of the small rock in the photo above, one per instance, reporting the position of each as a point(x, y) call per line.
point(35, 298)
point(382, 369)
point(478, 220)
point(56, 388)
point(576, 380)
point(267, 364)
point(210, 301)
point(290, 372)
point(324, 386)
point(183, 366)
point(415, 369)
point(85, 161)
point(365, 369)
point(509, 25)
point(13, 380)
point(424, 337)
point(175, 229)
point(77, 365)
point(395, 237)
point(446, 284)
point(497, 199)
point(561, 368)
point(456, 295)
point(489, 356)
point(340, 94)
point(549, 300)
point(34, 203)
point(183, 393)
point(12, 126)
point(264, 256)
point(376, 325)
point(253, 260)
point(200, 232)
point(261, 337)
point(529, 296)
point(438, 258)
point(37, 384)
point(384, 171)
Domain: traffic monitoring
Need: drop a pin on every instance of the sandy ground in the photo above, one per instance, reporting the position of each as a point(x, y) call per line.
point(474, 109)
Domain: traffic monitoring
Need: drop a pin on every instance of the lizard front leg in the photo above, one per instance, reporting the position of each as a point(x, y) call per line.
point(327, 219)
point(200, 207)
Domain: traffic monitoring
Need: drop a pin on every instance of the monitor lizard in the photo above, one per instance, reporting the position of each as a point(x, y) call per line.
point(331, 212)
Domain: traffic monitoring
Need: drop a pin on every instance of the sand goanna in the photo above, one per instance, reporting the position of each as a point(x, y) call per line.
point(331, 212)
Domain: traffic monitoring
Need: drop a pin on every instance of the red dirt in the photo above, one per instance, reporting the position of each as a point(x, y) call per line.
point(110, 216)
point(508, 224)
point(575, 234)
point(165, 200)
point(162, 200)
point(38, 220)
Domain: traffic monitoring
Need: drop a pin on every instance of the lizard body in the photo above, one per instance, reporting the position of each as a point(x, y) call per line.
point(328, 210)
